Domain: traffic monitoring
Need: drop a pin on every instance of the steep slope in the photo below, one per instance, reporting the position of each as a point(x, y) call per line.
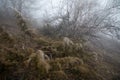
point(20, 59)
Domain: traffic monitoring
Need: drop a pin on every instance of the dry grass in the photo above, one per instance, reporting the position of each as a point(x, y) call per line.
point(58, 75)
point(24, 64)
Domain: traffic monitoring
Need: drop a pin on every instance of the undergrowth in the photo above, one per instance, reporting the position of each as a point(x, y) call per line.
point(64, 64)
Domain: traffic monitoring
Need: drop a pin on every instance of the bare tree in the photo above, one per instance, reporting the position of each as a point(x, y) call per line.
point(78, 18)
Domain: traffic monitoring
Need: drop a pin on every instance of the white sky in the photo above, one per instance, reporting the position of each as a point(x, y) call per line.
point(50, 7)
point(46, 7)
point(102, 2)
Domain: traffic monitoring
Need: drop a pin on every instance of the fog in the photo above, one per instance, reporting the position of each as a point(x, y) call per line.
point(52, 7)
point(96, 15)
point(101, 16)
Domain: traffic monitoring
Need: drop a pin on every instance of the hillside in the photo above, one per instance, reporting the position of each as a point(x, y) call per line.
point(20, 59)
point(59, 39)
